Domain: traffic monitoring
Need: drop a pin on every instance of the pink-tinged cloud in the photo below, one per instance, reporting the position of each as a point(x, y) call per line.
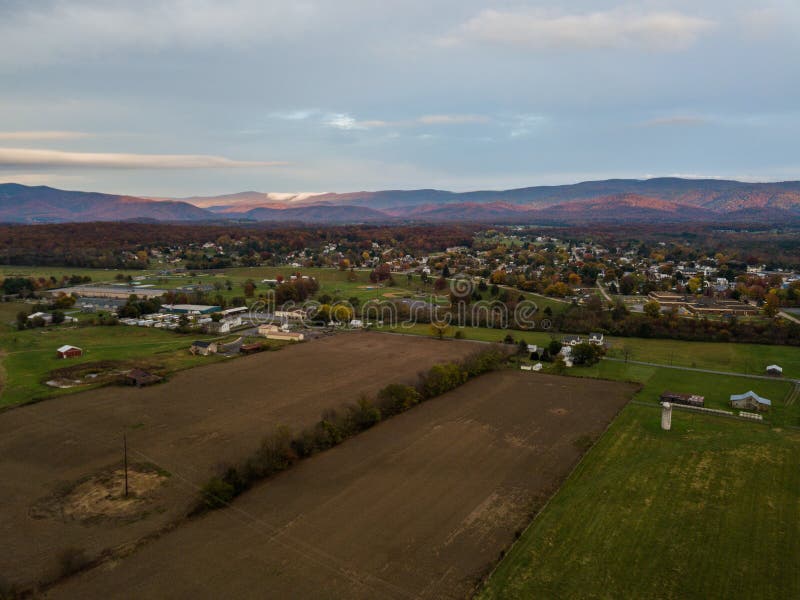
point(27, 136)
point(108, 160)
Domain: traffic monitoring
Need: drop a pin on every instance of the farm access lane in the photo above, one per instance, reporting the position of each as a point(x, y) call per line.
point(696, 370)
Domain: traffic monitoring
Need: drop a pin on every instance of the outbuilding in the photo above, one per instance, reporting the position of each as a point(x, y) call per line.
point(69, 352)
point(203, 347)
point(750, 401)
point(141, 378)
point(685, 399)
point(774, 370)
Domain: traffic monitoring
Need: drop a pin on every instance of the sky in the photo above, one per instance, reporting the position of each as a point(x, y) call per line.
point(194, 97)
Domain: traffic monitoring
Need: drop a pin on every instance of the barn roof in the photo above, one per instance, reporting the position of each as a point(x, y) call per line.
point(66, 347)
point(753, 395)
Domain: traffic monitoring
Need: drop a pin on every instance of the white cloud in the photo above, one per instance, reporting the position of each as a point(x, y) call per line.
point(348, 122)
point(539, 30)
point(342, 121)
point(25, 157)
point(39, 32)
point(26, 136)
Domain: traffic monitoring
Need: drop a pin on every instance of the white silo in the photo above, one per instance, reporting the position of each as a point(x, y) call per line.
point(666, 416)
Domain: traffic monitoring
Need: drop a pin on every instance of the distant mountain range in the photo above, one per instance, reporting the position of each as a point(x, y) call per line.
point(659, 200)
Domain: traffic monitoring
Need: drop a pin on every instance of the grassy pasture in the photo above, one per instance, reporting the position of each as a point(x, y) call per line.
point(709, 509)
point(28, 356)
point(717, 389)
point(749, 359)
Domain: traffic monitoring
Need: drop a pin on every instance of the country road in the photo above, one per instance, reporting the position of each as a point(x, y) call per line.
point(603, 292)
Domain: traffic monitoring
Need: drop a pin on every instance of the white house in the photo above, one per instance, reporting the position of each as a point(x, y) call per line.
point(596, 339)
point(774, 370)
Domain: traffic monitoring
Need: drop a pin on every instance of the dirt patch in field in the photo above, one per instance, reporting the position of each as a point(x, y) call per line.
point(188, 426)
point(419, 506)
point(100, 372)
point(102, 496)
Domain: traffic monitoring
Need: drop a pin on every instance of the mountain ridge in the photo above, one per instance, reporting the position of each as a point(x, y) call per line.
point(634, 200)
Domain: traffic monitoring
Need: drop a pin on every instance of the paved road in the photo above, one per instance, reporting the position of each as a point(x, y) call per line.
point(710, 371)
point(788, 317)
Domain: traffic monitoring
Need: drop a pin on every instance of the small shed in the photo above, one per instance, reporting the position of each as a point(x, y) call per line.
point(774, 370)
point(203, 347)
point(68, 352)
point(750, 401)
point(140, 378)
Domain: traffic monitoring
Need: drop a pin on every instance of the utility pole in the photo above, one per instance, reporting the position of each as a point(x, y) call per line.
point(125, 460)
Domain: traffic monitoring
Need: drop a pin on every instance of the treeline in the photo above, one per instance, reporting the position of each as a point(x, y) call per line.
point(126, 245)
point(620, 322)
point(280, 449)
point(771, 244)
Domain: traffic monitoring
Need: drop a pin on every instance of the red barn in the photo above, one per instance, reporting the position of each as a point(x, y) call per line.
point(69, 352)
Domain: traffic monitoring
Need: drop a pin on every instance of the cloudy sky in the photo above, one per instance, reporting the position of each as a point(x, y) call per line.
point(184, 97)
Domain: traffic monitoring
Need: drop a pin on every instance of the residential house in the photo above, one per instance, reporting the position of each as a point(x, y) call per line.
point(203, 348)
point(571, 340)
point(596, 339)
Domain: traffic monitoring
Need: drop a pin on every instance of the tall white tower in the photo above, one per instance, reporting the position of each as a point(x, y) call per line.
point(666, 416)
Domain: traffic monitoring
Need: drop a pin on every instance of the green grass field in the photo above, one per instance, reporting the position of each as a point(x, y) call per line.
point(720, 356)
point(29, 356)
point(716, 389)
point(749, 359)
point(710, 509)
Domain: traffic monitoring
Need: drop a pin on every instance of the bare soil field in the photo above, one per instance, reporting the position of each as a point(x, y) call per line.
point(60, 458)
point(419, 506)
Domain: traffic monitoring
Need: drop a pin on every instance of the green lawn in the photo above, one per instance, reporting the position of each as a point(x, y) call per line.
point(720, 356)
point(716, 389)
point(30, 355)
point(97, 275)
point(710, 509)
point(732, 357)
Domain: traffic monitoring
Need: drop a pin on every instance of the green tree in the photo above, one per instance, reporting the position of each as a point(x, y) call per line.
point(652, 309)
point(772, 304)
point(443, 378)
point(439, 330)
point(585, 354)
